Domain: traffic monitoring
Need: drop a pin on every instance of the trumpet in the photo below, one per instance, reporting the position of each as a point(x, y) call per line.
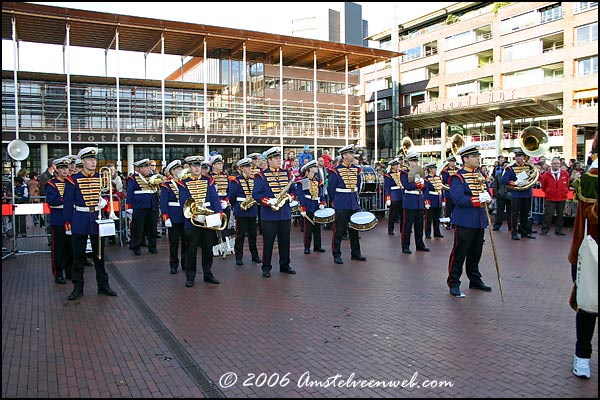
point(191, 210)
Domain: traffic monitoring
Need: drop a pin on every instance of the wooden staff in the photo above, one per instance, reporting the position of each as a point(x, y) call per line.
point(487, 213)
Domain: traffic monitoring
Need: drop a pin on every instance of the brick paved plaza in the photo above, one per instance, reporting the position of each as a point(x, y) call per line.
point(383, 320)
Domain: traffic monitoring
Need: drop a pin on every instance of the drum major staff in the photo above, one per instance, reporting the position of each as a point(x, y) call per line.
point(271, 190)
point(245, 210)
point(202, 190)
point(312, 199)
point(344, 181)
point(172, 215)
point(469, 219)
point(82, 201)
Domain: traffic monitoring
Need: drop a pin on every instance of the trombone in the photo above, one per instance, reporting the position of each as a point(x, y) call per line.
point(105, 185)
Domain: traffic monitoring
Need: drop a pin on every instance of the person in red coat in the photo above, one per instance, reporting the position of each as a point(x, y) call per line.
point(555, 184)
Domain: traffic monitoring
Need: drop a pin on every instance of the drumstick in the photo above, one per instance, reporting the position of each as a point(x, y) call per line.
point(309, 220)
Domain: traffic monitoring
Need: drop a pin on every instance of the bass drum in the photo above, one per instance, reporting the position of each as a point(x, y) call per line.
point(324, 216)
point(363, 221)
point(369, 183)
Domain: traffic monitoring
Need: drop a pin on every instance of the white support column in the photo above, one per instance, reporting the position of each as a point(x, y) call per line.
point(244, 79)
point(281, 100)
point(205, 78)
point(444, 138)
point(162, 89)
point(373, 161)
point(68, 72)
point(499, 135)
point(316, 130)
point(347, 119)
point(130, 159)
point(119, 165)
point(43, 156)
point(15, 82)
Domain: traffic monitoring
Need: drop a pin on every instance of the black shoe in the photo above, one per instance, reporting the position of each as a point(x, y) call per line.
point(266, 274)
point(210, 278)
point(257, 260)
point(153, 251)
point(173, 270)
point(359, 258)
point(515, 236)
point(528, 236)
point(422, 248)
point(60, 280)
point(239, 262)
point(137, 252)
point(338, 260)
point(448, 228)
point(345, 237)
point(544, 232)
point(306, 251)
point(189, 283)
point(558, 233)
point(320, 250)
point(534, 231)
point(406, 251)
point(438, 236)
point(456, 292)
point(427, 236)
point(107, 291)
point(391, 233)
point(480, 286)
point(288, 271)
point(75, 294)
point(496, 228)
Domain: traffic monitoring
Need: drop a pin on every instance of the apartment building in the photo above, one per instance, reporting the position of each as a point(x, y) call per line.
point(487, 70)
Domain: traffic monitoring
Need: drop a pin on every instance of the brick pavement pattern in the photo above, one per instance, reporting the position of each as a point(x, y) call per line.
point(384, 320)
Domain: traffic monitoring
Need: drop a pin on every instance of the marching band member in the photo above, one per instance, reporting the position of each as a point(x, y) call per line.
point(142, 203)
point(240, 190)
point(276, 216)
point(255, 169)
point(202, 190)
point(520, 199)
point(82, 201)
point(469, 220)
point(221, 181)
point(311, 199)
point(392, 188)
point(433, 201)
point(62, 249)
point(344, 181)
point(72, 166)
point(172, 215)
point(413, 204)
point(446, 173)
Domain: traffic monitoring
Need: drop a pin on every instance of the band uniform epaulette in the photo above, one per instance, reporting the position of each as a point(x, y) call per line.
point(165, 184)
point(70, 179)
point(180, 183)
point(49, 182)
point(231, 178)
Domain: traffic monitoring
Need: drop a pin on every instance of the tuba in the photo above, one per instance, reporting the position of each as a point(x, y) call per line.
point(407, 143)
point(191, 209)
point(534, 142)
point(456, 142)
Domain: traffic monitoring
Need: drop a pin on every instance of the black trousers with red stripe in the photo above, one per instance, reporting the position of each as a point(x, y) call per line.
point(311, 231)
point(79, 247)
point(432, 217)
point(340, 226)
point(281, 230)
point(468, 245)
point(412, 217)
point(62, 253)
point(176, 234)
point(245, 226)
point(394, 212)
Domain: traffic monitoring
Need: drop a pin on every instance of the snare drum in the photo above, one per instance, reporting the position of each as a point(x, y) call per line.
point(369, 183)
point(324, 216)
point(362, 221)
point(294, 205)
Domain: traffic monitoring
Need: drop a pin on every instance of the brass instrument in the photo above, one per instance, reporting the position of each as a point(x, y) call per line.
point(183, 174)
point(407, 143)
point(155, 180)
point(534, 142)
point(191, 210)
point(248, 203)
point(282, 197)
point(105, 185)
point(457, 141)
point(415, 173)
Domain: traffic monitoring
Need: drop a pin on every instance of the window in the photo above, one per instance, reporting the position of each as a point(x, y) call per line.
point(520, 50)
point(586, 34)
point(587, 66)
point(522, 78)
point(461, 64)
point(518, 22)
point(551, 13)
point(412, 54)
point(458, 40)
point(412, 99)
point(581, 6)
point(416, 75)
point(462, 89)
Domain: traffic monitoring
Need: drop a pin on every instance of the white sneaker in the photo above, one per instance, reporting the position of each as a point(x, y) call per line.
point(581, 367)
